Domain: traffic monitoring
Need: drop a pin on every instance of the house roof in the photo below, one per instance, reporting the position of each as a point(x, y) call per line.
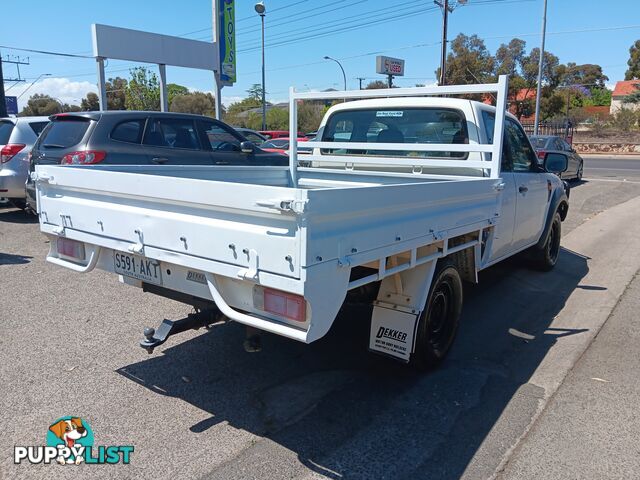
point(626, 87)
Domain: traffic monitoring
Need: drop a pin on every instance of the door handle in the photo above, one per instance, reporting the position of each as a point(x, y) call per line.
point(523, 189)
point(499, 186)
point(159, 160)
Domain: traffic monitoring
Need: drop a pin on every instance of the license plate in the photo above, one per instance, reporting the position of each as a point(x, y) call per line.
point(138, 267)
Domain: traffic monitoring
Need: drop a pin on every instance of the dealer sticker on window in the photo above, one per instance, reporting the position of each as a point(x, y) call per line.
point(392, 332)
point(389, 113)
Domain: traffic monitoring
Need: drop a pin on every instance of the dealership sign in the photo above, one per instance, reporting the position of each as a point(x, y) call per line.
point(227, 41)
point(12, 105)
point(389, 66)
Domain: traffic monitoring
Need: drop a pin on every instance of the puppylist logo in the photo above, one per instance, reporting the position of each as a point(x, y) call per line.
point(70, 442)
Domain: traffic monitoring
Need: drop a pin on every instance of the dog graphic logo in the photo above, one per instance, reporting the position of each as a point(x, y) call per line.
point(72, 433)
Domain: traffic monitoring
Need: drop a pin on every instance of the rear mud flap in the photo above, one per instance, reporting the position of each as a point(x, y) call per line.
point(393, 332)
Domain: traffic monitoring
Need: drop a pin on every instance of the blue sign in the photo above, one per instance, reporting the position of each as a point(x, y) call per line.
point(12, 105)
point(227, 41)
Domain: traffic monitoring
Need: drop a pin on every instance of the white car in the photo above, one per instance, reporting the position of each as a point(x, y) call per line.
point(17, 136)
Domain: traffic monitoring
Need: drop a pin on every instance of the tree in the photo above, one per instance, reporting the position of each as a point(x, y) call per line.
point(469, 61)
point(310, 115)
point(376, 84)
point(588, 75)
point(509, 58)
point(173, 90)
point(90, 102)
point(255, 92)
point(633, 97)
point(116, 89)
point(633, 72)
point(41, 105)
point(599, 97)
point(143, 90)
point(194, 102)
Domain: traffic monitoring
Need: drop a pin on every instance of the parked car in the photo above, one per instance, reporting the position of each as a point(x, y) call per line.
point(17, 136)
point(142, 138)
point(251, 135)
point(272, 134)
point(551, 143)
point(281, 145)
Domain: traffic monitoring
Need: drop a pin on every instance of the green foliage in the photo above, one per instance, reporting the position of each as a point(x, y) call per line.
point(194, 102)
point(376, 84)
point(588, 75)
point(633, 97)
point(624, 119)
point(90, 102)
point(599, 97)
point(116, 93)
point(552, 105)
point(469, 61)
point(173, 90)
point(39, 104)
point(255, 92)
point(277, 119)
point(309, 116)
point(143, 90)
point(633, 72)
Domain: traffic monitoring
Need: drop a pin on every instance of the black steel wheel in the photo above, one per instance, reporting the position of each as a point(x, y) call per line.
point(438, 323)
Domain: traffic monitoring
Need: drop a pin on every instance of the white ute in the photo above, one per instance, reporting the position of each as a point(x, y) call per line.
point(407, 194)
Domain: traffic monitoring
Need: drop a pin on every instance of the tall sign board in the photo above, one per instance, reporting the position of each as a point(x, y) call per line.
point(227, 41)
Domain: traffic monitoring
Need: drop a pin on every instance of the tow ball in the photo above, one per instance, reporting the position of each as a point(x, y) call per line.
point(155, 337)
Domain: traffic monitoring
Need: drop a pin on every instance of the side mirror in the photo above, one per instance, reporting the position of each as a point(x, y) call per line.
point(247, 147)
point(555, 162)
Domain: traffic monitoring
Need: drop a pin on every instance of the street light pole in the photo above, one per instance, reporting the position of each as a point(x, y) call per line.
point(344, 76)
point(447, 8)
point(540, 65)
point(443, 51)
point(34, 82)
point(261, 10)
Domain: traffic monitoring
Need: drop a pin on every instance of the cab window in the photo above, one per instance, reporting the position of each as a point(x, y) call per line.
point(522, 156)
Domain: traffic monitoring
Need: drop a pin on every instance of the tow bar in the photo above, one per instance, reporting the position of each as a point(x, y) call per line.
point(155, 337)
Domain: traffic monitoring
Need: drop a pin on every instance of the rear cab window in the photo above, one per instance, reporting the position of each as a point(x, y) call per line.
point(64, 132)
point(5, 132)
point(539, 143)
point(398, 125)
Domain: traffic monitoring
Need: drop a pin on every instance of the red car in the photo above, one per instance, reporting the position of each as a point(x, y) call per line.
point(280, 145)
point(273, 134)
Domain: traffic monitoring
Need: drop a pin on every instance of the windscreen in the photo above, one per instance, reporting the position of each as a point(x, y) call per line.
point(64, 132)
point(397, 125)
point(5, 132)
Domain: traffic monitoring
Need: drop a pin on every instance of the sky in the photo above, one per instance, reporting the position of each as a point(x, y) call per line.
point(299, 33)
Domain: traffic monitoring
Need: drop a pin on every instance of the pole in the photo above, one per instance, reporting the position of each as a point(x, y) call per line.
point(360, 79)
point(264, 101)
point(443, 52)
point(540, 65)
point(164, 100)
point(390, 80)
point(216, 75)
point(102, 92)
point(3, 103)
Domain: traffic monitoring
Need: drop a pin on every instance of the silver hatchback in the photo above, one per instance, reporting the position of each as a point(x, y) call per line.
point(17, 136)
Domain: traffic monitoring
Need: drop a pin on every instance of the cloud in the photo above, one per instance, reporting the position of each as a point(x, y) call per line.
point(65, 90)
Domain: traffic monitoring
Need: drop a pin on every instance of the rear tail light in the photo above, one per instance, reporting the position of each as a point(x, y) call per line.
point(71, 248)
point(9, 151)
point(85, 157)
point(541, 154)
point(283, 304)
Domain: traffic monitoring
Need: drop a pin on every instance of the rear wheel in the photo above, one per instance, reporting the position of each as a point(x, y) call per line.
point(438, 323)
point(579, 172)
point(545, 258)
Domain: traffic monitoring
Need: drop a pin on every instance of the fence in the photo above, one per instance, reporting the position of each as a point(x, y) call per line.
point(558, 129)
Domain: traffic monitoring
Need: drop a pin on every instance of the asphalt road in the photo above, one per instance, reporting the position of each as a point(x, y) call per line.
point(200, 407)
point(617, 168)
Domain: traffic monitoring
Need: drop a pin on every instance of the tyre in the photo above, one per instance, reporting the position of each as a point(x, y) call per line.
point(438, 323)
point(545, 258)
point(579, 172)
point(19, 203)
